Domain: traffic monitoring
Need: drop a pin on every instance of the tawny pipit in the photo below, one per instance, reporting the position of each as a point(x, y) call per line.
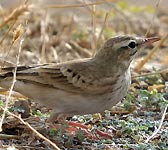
point(81, 86)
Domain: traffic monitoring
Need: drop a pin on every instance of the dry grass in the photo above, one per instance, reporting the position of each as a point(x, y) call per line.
point(57, 38)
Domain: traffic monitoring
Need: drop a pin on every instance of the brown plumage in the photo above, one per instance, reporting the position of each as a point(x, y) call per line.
point(81, 86)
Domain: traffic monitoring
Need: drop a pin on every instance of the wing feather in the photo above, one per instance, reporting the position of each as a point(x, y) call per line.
point(56, 76)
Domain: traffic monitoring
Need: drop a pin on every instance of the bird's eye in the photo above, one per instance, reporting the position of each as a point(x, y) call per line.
point(132, 44)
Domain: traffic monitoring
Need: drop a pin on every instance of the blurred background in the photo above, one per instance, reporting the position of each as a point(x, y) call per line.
point(57, 31)
point(5, 3)
point(69, 31)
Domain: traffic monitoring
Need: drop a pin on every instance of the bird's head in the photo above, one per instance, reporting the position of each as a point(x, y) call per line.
point(122, 49)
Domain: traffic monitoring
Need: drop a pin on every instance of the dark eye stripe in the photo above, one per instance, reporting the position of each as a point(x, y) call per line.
point(124, 47)
point(127, 47)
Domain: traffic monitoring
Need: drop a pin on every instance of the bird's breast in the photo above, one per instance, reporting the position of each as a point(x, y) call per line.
point(119, 89)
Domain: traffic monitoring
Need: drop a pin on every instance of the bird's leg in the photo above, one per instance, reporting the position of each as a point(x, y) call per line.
point(56, 119)
point(84, 129)
point(60, 117)
point(73, 127)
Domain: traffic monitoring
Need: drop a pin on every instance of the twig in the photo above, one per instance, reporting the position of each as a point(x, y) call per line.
point(6, 33)
point(82, 51)
point(7, 101)
point(6, 136)
point(92, 10)
point(149, 74)
point(34, 130)
point(29, 147)
point(160, 125)
point(79, 5)
point(104, 24)
point(44, 37)
point(12, 86)
point(154, 15)
point(5, 110)
point(6, 62)
point(150, 54)
point(15, 14)
point(93, 23)
point(31, 128)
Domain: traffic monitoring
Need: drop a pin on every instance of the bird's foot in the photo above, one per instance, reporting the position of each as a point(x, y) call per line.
point(72, 128)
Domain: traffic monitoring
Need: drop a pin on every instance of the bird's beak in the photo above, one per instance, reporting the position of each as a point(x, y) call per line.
point(148, 41)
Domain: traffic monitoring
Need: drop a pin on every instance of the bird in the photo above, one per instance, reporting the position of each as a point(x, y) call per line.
point(82, 86)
